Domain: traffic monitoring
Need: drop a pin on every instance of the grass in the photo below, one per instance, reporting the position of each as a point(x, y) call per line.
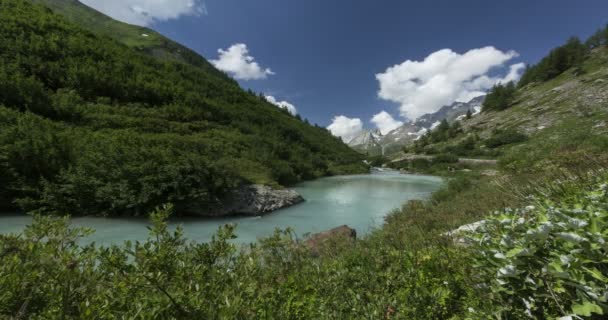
point(130, 35)
point(153, 44)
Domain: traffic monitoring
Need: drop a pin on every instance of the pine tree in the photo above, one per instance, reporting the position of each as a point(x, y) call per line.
point(469, 114)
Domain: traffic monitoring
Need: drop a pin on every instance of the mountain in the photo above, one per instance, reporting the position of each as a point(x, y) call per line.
point(139, 38)
point(374, 143)
point(455, 111)
point(94, 121)
point(367, 141)
point(557, 120)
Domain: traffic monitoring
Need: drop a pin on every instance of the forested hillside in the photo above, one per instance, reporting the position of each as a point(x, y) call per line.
point(139, 38)
point(90, 125)
point(553, 116)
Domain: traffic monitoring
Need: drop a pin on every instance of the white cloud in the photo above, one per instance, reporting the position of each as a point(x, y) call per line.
point(345, 127)
point(146, 12)
point(283, 105)
point(385, 122)
point(237, 61)
point(515, 72)
point(443, 77)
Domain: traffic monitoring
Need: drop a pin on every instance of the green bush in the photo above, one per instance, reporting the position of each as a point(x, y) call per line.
point(560, 59)
point(445, 158)
point(454, 186)
point(549, 259)
point(48, 275)
point(500, 97)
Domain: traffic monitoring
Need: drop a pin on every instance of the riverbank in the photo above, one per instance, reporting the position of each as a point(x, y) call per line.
point(361, 201)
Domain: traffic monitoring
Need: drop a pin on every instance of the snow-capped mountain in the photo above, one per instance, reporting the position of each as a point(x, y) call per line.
point(368, 141)
point(451, 112)
point(373, 142)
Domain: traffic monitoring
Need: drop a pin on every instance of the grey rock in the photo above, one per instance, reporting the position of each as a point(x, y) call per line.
point(343, 233)
point(457, 235)
point(248, 200)
point(259, 199)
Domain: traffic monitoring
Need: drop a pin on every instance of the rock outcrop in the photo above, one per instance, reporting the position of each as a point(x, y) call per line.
point(344, 234)
point(249, 200)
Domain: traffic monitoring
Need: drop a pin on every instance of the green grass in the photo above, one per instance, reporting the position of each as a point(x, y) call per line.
point(154, 44)
point(99, 23)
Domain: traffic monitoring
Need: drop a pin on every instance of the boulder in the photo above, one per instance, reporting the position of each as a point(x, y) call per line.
point(340, 234)
point(249, 200)
point(457, 235)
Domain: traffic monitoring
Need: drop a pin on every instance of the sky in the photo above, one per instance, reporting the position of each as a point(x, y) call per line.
point(353, 64)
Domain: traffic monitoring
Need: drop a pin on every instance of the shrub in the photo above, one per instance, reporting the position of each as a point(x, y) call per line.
point(560, 59)
point(500, 97)
point(549, 259)
point(445, 158)
point(506, 137)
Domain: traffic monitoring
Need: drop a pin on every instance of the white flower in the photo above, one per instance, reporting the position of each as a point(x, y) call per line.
point(530, 208)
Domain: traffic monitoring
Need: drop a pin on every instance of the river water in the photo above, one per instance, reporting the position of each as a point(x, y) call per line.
point(359, 201)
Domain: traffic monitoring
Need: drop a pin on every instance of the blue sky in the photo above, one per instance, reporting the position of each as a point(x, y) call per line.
point(324, 55)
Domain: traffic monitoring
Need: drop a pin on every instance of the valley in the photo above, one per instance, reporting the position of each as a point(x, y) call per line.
point(140, 180)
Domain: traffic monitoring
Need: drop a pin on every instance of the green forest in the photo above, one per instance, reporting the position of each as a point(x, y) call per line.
point(91, 126)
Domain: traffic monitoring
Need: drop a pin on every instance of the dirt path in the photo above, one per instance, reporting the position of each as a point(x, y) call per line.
point(460, 160)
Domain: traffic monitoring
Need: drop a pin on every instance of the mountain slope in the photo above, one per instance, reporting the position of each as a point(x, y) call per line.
point(139, 38)
point(374, 143)
point(549, 124)
point(90, 126)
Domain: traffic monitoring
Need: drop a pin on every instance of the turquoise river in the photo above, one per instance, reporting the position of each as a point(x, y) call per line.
point(359, 201)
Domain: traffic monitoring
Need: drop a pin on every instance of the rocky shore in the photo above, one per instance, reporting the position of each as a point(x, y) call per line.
point(250, 200)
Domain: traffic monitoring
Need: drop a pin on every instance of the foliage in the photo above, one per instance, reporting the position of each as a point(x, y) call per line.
point(505, 137)
point(549, 259)
point(90, 126)
point(51, 276)
point(598, 39)
point(560, 59)
point(443, 132)
point(500, 97)
point(445, 158)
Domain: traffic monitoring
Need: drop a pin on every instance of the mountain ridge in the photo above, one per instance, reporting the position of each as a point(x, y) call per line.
point(140, 38)
point(409, 132)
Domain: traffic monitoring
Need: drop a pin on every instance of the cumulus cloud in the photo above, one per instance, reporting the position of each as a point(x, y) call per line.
point(345, 127)
point(515, 72)
point(443, 77)
point(237, 61)
point(385, 122)
point(146, 12)
point(283, 105)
